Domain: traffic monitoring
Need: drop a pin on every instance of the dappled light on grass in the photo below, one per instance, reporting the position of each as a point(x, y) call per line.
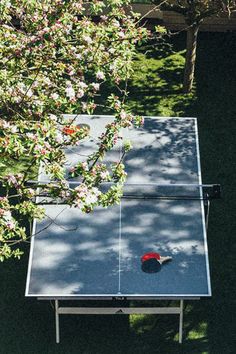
point(199, 332)
point(155, 87)
point(167, 326)
point(141, 323)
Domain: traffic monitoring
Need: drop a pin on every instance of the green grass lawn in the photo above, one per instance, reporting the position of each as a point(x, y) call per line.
point(27, 325)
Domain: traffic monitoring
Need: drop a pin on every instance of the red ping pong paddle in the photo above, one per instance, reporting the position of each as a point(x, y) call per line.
point(152, 261)
point(149, 255)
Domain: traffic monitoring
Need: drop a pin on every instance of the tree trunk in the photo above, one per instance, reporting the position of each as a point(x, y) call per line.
point(190, 58)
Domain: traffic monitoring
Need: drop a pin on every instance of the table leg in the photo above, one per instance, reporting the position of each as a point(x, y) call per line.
point(57, 322)
point(181, 321)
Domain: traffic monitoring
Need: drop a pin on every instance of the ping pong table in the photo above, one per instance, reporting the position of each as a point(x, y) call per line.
point(97, 256)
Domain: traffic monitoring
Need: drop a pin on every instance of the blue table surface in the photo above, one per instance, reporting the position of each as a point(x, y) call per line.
point(99, 254)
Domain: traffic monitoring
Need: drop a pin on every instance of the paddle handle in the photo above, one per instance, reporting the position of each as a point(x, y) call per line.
point(165, 259)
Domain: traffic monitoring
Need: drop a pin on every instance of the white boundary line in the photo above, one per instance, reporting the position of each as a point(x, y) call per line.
point(119, 242)
point(120, 236)
point(32, 245)
point(203, 212)
point(86, 116)
point(117, 295)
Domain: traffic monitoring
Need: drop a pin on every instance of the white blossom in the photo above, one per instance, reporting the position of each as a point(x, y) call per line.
point(95, 86)
point(116, 23)
point(54, 96)
point(13, 129)
point(59, 138)
point(5, 124)
point(47, 81)
point(70, 92)
point(53, 117)
point(91, 198)
point(29, 93)
point(87, 39)
point(80, 93)
point(100, 75)
point(7, 215)
point(31, 136)
point(121, 34)
point(104, 175)
point(82, 85)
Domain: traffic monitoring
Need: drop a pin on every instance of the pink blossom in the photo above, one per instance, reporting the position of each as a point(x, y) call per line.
point(30, 192)
point(37, 147)
point(43, 151)
point(84, 166)
point(2, 211)
point(10, 225)
point(3, 199)
point(11, 179)
point(123, 114)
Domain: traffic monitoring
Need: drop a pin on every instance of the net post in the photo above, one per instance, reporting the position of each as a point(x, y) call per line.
point(57, 322)
point(181, 321)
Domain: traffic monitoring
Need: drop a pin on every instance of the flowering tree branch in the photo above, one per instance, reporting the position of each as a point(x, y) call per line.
point(54, 59)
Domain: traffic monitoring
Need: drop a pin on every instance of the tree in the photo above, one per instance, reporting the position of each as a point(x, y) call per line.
point(194, 12)
point(54, 59)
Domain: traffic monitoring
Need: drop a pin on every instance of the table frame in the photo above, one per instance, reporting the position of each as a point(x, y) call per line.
point(120, 310)
point(59, 310)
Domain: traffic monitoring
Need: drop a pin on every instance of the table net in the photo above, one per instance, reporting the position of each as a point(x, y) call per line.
point(148, 191)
